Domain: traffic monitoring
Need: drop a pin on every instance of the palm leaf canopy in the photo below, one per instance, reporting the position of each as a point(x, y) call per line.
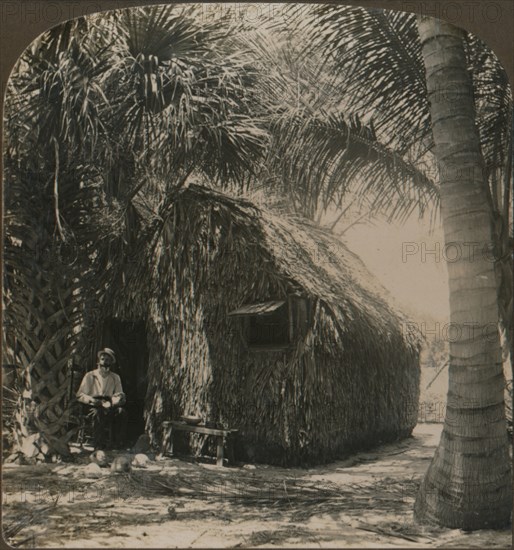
point(157, 88)
point(189, 92)
point(377, 54)
point(321, 150)
point(56, 95)
point(322, 158)
point(383, 48)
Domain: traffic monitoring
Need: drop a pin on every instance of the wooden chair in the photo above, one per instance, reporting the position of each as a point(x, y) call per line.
point(85, 431)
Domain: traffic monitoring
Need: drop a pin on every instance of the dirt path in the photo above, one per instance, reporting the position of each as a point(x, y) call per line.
point(365, 501)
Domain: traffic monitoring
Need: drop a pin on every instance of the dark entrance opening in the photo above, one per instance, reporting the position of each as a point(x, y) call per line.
point(128, 340)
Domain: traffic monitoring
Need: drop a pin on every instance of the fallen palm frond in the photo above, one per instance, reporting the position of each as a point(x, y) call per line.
point(14, 524)
point(300, 497)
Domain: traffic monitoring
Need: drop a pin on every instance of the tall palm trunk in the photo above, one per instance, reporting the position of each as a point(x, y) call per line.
point(468, 484)
point(45, 288)
point(38, 311)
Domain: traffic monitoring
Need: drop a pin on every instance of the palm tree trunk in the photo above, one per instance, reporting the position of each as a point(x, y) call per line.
point(38, 310)
point(468, 484)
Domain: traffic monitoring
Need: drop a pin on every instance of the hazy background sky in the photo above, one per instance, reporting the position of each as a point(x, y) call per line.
point(417, 281)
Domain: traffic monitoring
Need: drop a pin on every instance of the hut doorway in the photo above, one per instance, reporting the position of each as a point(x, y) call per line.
point(128, 340)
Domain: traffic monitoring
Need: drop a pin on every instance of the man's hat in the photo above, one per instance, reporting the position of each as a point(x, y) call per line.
point(109, 352)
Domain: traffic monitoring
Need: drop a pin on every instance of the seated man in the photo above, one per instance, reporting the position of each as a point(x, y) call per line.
point(102, 393)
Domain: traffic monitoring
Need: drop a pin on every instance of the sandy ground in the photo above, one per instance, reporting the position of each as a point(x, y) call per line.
point(365, 501)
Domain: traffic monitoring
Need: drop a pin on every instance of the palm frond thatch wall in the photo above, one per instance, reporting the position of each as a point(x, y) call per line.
point(348, 379)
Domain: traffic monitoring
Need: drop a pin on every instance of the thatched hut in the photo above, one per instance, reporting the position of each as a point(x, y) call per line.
point(272, 326)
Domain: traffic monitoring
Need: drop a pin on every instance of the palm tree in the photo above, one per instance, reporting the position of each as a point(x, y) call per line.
point(50, 119)
point(468, 484)
point(90, 109)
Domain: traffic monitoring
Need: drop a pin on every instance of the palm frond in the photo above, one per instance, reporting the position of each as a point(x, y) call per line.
point(59, 96)
point(494, 115)
point(320, 159)
point(180, 94)
point(378, 56)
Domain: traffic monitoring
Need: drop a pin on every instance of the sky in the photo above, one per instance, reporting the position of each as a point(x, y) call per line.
point(399, 256)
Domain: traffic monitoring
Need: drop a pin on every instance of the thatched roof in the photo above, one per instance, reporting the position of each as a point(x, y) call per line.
point(325, 267)
point(315, 261)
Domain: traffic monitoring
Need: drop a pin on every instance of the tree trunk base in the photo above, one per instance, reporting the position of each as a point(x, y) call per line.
point(469, 505)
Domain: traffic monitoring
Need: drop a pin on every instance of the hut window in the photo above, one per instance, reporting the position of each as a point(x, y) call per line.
point(266, 324)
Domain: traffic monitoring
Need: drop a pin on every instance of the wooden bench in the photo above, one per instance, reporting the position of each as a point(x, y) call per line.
point(224, 437)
